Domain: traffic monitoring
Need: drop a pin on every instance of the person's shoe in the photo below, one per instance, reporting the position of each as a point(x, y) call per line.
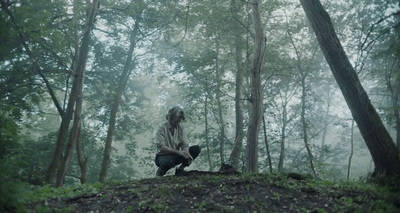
point(160, 172)
point(178, 171)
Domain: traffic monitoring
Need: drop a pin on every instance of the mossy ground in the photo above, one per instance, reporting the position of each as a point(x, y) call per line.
point(217, 192)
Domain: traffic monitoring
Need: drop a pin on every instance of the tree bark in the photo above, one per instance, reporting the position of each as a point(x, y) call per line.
point(74, 137)
point(267, 146)
point(81, 158)
point(398, 130)
point(304, 123)
point(62, 136)
point(351, 149)
point(395, 95)
point(79, 72)
point(219, 71)
point(206, 131)
point(79, 146)
point(326, 124)
point(283, 138)
point(237, 148)
point(303, 76)
point(78, 92)
point(114, 109)
point(380, 144)
point(256, 93)
point(393, 85)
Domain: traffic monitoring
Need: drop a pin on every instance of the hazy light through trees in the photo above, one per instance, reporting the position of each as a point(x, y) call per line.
point(175, 62)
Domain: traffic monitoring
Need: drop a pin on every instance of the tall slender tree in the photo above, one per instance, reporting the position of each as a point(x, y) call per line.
point(380, 144)
point(283, 134)
point(123, 80)
point(220, 73)
point(206, 132)
point(269, 161)
point(256, 98)
point(91, 8)
point(239, 134)
point(305, 128)
point(351, 149)
point(326, 123)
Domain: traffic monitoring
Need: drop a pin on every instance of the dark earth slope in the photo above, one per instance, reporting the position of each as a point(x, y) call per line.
point(196, 191)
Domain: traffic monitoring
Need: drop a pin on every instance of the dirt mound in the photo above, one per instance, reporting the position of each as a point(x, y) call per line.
point(197, 191)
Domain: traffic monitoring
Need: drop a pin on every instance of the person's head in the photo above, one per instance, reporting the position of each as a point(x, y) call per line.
point(175, 115)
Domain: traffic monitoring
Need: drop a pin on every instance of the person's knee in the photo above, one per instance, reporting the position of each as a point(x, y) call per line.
point(195, 150)
point(166, 165)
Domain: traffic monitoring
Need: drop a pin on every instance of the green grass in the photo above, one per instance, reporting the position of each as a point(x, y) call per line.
point(43, 193)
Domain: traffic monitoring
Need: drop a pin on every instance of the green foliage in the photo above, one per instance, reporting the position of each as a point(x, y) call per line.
point(10, 158)
point(9, 135)
point(158, 207)
point(353, 194)
point(48, 192)
point(11, 191)
point(164, 191)
point(36, 154)
point(18, 91)
point(202, 206)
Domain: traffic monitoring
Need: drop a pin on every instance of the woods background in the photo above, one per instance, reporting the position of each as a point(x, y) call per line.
point(84, 85)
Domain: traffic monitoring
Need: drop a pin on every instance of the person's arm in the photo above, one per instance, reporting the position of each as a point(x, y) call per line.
point(168, 150)
point(186, 155)
point(185, 148)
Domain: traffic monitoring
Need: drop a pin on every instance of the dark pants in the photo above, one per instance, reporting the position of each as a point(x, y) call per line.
point(166, 162)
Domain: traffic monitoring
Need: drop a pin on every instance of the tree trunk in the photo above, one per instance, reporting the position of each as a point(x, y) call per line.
point(351, 149)
point(67, 116)
point(74, 137)
point(393, 85)
point(304, 123)
point(78, 83)
point(62, 136)
point(220, 73)
point(237, 148)
point(326, 124)
point(114, 109)
point(222, 129)
point(398, 129)
point(380, 144)
point(303, 76)
point(206, 131)
point(283, 138)
point(81, 158)
point(79, 72)
point(79, 147)
point(256, 93)
point(267, 146)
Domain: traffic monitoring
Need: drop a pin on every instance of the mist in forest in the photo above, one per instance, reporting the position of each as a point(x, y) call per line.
point(137, 59)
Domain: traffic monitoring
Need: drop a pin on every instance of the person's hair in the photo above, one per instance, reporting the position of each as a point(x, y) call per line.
point(174, 111)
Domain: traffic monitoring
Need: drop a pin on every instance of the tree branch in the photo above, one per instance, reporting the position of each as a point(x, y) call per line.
point(33, 61)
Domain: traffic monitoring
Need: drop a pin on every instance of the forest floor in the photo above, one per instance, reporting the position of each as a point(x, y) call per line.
point(196, 191)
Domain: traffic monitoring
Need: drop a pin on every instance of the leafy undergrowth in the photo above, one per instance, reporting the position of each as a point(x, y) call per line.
point(196, 191)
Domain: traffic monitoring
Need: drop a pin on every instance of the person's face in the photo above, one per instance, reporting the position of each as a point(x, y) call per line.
point(177, 118)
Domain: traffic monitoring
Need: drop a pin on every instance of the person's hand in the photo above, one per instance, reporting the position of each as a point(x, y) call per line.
point(187, 156)
point(189, 160)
